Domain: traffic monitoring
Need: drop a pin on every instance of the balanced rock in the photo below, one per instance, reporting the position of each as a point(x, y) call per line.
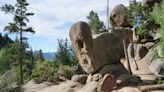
point(118, 17)
point(82, 43)
point(94, 53)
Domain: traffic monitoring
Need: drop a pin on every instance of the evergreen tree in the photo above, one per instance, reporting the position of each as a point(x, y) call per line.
point(135, 13)
point(29, 61)
point(39, 56)
point(9, 56)
point(31, 55)
point(63, 53)
point(5, 41)
point(19, 25)
point(95, 23)
point(139, 16)
point(158, 15)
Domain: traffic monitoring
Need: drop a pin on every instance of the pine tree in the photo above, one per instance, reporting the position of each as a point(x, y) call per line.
point(95, 23)
point(19, 24)
point(63, 53)
point(9, 56)
point(31, 55)
point(39, 56)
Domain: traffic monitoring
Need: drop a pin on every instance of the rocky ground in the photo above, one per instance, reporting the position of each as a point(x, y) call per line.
point(76, 85)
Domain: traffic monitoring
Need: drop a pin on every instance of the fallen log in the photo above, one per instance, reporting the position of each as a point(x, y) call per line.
point(146, 88)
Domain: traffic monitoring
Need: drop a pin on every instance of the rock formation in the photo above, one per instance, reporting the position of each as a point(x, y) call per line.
point(141, 57)
point(97, 51)
point(82, 43)
point(157, 67)
point(100, 54)
point(118, 17)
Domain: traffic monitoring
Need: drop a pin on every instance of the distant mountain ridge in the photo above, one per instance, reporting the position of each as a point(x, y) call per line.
point(49, 55)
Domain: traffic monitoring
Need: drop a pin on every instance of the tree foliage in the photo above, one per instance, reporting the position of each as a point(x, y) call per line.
point(158, 15)
point(139, 16)
point(63, 65)
point(19, 25)
point(63, 54)
point(65, 60)
point(39, 56)
point(9, 58)
point(43, 71)
point(9, 61)
point(66, 71)
point(8, 82)
point(19, 10)
point(95, 23)
point(5, 40)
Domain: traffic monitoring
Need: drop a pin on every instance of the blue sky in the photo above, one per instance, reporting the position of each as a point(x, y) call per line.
point(54, 18)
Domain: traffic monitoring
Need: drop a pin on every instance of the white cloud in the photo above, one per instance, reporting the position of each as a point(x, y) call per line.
point(51, 14)
point(52, 17)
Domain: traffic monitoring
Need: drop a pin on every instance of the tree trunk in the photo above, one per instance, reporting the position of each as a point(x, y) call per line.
point(21, 58)
point(21, 52)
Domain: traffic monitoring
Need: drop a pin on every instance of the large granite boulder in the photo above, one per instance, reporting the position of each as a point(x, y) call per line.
point(118, 17)
point(107, 48)
point(140, 61)
point(95, 52)
point(137, 52)
point(80, 35)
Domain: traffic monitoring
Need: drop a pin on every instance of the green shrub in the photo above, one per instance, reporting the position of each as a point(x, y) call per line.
point(43, 71)
point(142, 31)
point(160, 80)
point(66, 71)
point(8, 82)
